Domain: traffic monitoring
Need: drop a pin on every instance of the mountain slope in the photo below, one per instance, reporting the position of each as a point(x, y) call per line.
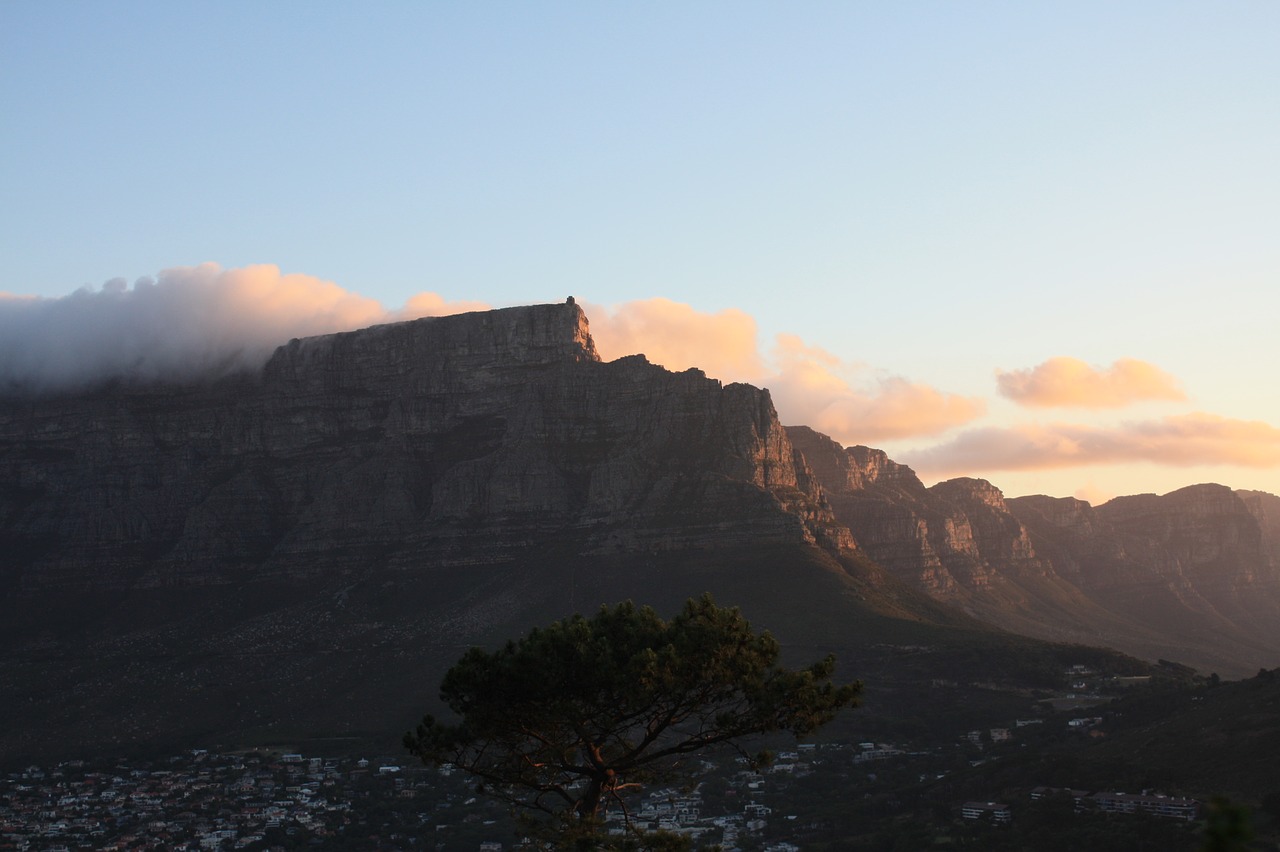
point(301, 553)
point(1187, 576)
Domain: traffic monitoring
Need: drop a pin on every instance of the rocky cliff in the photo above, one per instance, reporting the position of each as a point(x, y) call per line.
point(1188, 576)
point(280, 553)
point(949, 539)
point(299, 552)
point(1266, 509)
point(393, 446)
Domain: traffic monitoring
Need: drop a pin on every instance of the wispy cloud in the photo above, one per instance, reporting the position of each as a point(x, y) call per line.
point(187, 321)
point(1180, 441)
point(1067, 382)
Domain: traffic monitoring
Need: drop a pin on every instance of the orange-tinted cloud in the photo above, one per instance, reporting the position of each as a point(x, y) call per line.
point(434, 305)
point(808, 384)
point(1062, 382)
point(678, 336)
point(198, 320)
point(810, 387)
point(1179, 441)
point(205, 320)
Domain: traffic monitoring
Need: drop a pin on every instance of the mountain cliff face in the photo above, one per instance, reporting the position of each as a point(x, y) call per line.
point(1266, 509)
point(427, 442)
point(298, 553)
point(1188, 576)
point(282, 553)
point(950, 539)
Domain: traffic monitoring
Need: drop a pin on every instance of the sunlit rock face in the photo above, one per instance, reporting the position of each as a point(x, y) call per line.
point(446, 440)
point(945, 539)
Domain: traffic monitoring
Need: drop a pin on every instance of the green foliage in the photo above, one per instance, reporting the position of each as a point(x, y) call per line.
point(1227, 826)
point(567, 718)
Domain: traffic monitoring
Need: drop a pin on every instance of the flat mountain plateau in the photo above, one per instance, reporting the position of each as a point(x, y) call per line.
point(298, 554)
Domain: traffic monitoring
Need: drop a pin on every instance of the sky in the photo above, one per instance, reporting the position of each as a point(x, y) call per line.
point(1036, 243)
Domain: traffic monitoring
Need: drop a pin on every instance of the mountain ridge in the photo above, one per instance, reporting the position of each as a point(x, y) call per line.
point(1188, 575)
point(282, 553)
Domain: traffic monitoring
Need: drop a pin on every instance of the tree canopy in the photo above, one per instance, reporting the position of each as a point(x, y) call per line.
point(567, 718)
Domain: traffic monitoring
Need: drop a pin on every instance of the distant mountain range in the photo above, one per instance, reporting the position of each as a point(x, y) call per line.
point(1191, 576)
point(300, 553)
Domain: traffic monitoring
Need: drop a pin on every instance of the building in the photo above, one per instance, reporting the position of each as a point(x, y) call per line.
point(994, 811)
point(1166, 806)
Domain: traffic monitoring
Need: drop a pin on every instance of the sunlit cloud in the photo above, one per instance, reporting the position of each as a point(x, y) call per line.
point(434, 305)
point(1179, 441)
point(809, 385)
point(187, 321)
point(677, 336)
point(1064, 382)
point(1093, 494)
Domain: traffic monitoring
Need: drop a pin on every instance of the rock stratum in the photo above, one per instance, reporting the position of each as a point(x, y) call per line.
point(298, 553)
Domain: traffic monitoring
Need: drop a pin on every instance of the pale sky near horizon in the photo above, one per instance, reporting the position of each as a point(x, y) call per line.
point(1037, 243)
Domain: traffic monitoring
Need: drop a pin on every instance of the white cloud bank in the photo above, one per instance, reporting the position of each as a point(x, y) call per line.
point(187, 321)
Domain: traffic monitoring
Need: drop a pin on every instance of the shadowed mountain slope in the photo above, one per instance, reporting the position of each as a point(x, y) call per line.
point(299, 554)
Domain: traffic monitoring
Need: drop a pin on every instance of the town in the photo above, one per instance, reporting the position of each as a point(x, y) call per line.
point(268, 800)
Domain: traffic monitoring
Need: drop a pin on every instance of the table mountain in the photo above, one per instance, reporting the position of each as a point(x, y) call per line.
point(302, 550)
point(299, 552)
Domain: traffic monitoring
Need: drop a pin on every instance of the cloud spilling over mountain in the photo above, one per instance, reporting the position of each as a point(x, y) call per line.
point(187, 321)
point(206, 320)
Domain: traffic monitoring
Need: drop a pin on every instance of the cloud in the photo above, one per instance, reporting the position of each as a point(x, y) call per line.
point(1178, 441)
point(206, 320)
point(808, 384)
point(678, 336)
point(434, 305)
point(187, 321)
point(810, 387)
point(1061, 382)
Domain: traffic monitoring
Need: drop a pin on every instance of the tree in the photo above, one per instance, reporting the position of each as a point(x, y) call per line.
point(1227, 827)
point(571, 716)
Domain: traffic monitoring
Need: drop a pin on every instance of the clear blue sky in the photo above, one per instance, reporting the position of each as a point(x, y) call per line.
point(934, 191)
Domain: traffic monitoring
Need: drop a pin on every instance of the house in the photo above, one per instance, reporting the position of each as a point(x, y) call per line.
point(1158, 804)
point(994, 811)
point(876, 751)
point(1084, 722)
point(1078, 796)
